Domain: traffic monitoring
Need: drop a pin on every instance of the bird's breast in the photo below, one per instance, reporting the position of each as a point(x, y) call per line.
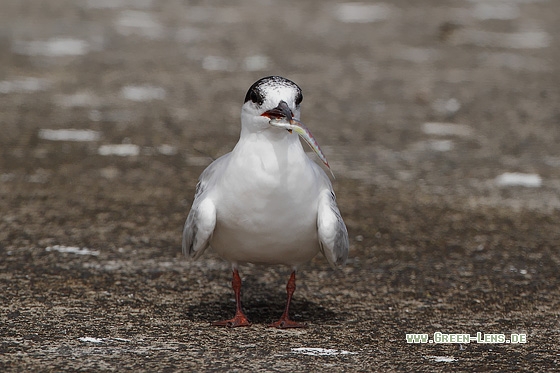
point(269, 213)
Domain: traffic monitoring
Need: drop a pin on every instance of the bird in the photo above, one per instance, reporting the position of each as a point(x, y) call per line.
point(266, 202)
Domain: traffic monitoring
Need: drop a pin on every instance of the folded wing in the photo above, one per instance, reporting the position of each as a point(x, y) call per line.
point(201, 220)
point(333, 236)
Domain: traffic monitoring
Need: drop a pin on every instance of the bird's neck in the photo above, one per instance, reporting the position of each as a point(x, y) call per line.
point(273, 136)
point(272, 148)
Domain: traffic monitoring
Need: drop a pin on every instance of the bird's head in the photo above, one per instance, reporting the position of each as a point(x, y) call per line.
point(269, 98)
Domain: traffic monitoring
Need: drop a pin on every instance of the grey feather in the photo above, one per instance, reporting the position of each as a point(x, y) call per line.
point(198, 228)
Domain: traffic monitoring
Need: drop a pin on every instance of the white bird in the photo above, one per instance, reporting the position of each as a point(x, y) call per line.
point(266, 202)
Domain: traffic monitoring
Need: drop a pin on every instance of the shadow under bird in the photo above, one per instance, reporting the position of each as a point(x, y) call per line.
point(266, 202)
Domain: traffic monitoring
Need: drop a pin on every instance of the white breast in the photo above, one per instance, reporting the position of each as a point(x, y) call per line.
point(267, 205)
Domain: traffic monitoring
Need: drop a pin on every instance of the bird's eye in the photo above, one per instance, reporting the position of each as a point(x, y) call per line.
point(256, 97)
point(299, 98)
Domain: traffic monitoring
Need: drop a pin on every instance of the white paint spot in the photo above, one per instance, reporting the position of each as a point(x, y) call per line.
point(72, 250)
point(441, 145)
point(143, 93)
point(446, 129)
point(441, 359)
point(114, 4)
point(496, 10)
point(69, 135)
point(216, 63)
point(135, 22)
point(79, 99)
point(449, 106)
point(23, 85)
point(519, 179)
point(54, 47)
point(320, 351)
point(166, 149)
point(432, 145)
point(362, 12)
point(255, 63)
point(514, 40)
point(102, 340)
point(90, 340)
point(122, 150)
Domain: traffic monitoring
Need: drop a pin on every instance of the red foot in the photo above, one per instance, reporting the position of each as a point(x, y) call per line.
point(285, 323)
point(238, 320)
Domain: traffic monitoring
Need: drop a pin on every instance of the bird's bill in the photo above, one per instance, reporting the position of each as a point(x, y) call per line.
point(282, 111)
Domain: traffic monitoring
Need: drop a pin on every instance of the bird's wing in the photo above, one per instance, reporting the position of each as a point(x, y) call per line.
point(199, 228)
point(201, 220)
point(333, 236)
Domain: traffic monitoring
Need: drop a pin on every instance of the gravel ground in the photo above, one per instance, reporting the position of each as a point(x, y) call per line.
point(440, 120)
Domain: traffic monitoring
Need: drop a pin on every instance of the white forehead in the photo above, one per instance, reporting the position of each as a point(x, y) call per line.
point(274, 94)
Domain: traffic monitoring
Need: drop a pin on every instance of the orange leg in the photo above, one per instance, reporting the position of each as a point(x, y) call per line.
point(239, 319)
point(285, 321)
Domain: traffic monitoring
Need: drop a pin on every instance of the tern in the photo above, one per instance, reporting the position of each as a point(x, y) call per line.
point(266, 202)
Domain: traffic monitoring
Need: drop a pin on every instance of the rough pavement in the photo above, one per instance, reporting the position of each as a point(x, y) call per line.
point(440, 121)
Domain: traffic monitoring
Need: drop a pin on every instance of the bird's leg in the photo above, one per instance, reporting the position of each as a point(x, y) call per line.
point(285, 321)
point(239, 319)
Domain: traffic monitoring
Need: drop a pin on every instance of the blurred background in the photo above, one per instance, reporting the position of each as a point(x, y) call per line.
point(449, 94)
point(440, 119)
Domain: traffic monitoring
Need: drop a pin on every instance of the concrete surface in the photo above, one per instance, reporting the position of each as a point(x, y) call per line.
point(440, 120)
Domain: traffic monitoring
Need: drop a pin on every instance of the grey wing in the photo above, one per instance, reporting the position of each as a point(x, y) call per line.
point(332, 232)
point(201, 220)
point(199, 227)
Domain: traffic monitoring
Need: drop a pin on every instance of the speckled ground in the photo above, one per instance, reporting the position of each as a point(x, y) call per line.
point(441, 241)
